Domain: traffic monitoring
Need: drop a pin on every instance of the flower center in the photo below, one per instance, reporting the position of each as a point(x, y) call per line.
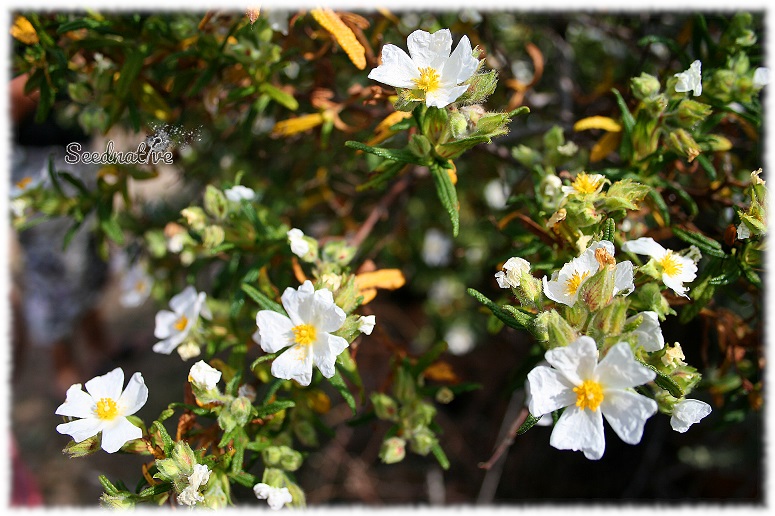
point(304, 334)
point(670, 264)
point(589, 395)
point(140, 286)
point(106, 409)
point(574, 282)
point(180, 325)
point(585, 184)
point(22, 184)
point(428, 81)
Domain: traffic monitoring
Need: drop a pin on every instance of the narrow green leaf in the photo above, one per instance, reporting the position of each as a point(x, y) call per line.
point(440, 456)
point(447, 195)
point(133, 63)
point(706, 164)
point(279, 96)
point(609, 230)
point(167, 443)
point(399, 155)
point(529, 423)
point(156, 490)
point(262, 358)
point(338, 382)
point(659, 204)
point(273, 386)
point(514, 319)
point(707, 245)
point(243, 478)
point(664, 381)
point(262, 300)
point(429, 357)
point(274, 408)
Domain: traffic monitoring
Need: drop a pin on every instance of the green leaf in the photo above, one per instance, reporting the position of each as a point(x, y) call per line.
point(628, 123)
point(133, 64)
point(262, 300)
point(243, 478)
point(664, 381)
point(660, 205)
point(440, 455)
point(167, 443)
point(152, 491)
point(609, 230)
point(279, 96)
point(513, 318)
point(262, 358)
point(447, 195)
point(77, 183)
point(529, 423)
point(399, 155)
point(706, 245)
point(273, 386)
point(338, 382)
point(274, 408)
point(454, 149)
point(707, 166)
point(112, 229)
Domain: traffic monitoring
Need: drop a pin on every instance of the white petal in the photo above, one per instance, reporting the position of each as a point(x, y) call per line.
point(119, 432)
point(688, 269)
point(555, 290)
point(275, 330)
point(627, 413)
point(77, 403)
point(325, 351)
point(294, 364)
point(81, 429)
point(604, 244)
point(580, 430)
point(649, 332)
point(396, 70)
point(202, 308)
point(675, 284)
point(623, 278)
point(576, 361)
point(549, 391)
point(687, 412)
point(134, 396)
point(182, 301)
point(442, 97)
point(500, 277)
point(106, 386)
point(619, 370)
point(461, 64)
point(644, 245)
point(165, 320)
point(327, 316)
point(166, 346)
point(297, 303)
point(428, 49)
point(279, 497)
point(262, 490)
point(761, 77)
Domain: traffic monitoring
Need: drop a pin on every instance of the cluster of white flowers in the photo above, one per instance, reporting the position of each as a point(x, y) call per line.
point(196, 480)
point(276, 497)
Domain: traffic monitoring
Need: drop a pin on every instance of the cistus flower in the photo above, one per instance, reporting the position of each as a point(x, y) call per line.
point(312, 316)
point(238, 193)
point(174, 326)
point(513, 269)
point(585, 184)
point(366, 324)
point(564, 285)
point(687, 412)
point(103, 408)
point(299, 246)
point(591, 391)
point(135, 286)
point(676, 269)
point(648, 332)
point(690, 79)
point(430, 71)
point(204, 376)
point(190, 495)
point(276, 497)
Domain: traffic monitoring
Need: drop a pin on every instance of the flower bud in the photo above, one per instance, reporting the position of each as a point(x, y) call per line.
point(195, 217)
point(526, 156)
point(403, 388)
point(422, 440)
point(215, 202)
point(337, 251)
point(271, 457)
point(444, 395)
point(644, 86)
point(213, 236)
point(393, 450)
point(117, 501)
point(458, 124)
point(598, 290)
point(420, 146)
point(690, 113)
point(682, 143)
point(290, 459)
point(435, 126)
point(557, 332)
point(609, 321)
point(422, 414)
point(384, 406)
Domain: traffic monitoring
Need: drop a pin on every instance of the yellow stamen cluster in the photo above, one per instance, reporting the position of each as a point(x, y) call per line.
point(304, 334)
point(106, 409)
point(343, 35)
point(574, 282)
point(670, 264)
point(589, 395)
point(585, 184)
point(180, 325)
point(429, 80)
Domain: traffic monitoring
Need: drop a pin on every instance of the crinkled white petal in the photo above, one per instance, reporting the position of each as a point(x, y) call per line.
point(627, 413)
point(77, 403)
point(203, 375)
point(239, 192)
point(761, 77)
point(294, 364)
point(687, 412)
point(81, 429)
point(619, 370)
point(624, 278)
point(165, 321)
point(675, 284)
point(297, 303)
point(461, 64)
point(644, 245)
point(106, 386)
point(690, 79)
point(118, 432)
point(182, 301)
point(397, 68)
point(426, 49)
point(366, 324)
point(580, 430)
point(299, 246)
point(134, 396)
point(649, 332)
point(743, 232)
point(444, 96)
point(276, 497)
point(166, 346)
point(549, 391)
point(275, 331)
point(556, 291)
point(325, 350)
point(326, 315)
point(576, 361)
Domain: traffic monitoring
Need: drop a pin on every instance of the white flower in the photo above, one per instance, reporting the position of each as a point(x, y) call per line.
point(103, 408)
point(238, 193)
point(676, 269)
point(276, 497)
point(690, 79)
point(299, 246)
point(135, 286)
point(591, 391)
point(436, 248)
point(687, 412)
point(649, 332)
point(674, 356)
point(743, 232)
point(565, 284)
point(546, 419)
point(173, 326)
point(188, 350)
point(512, 270)
point(585, 184)
point(204, 376)
point(366, 324)
point(430, 69)
point(190, 495)
point(460, 339)
point(312, 316)
point(761, 77)
point(496, 195)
